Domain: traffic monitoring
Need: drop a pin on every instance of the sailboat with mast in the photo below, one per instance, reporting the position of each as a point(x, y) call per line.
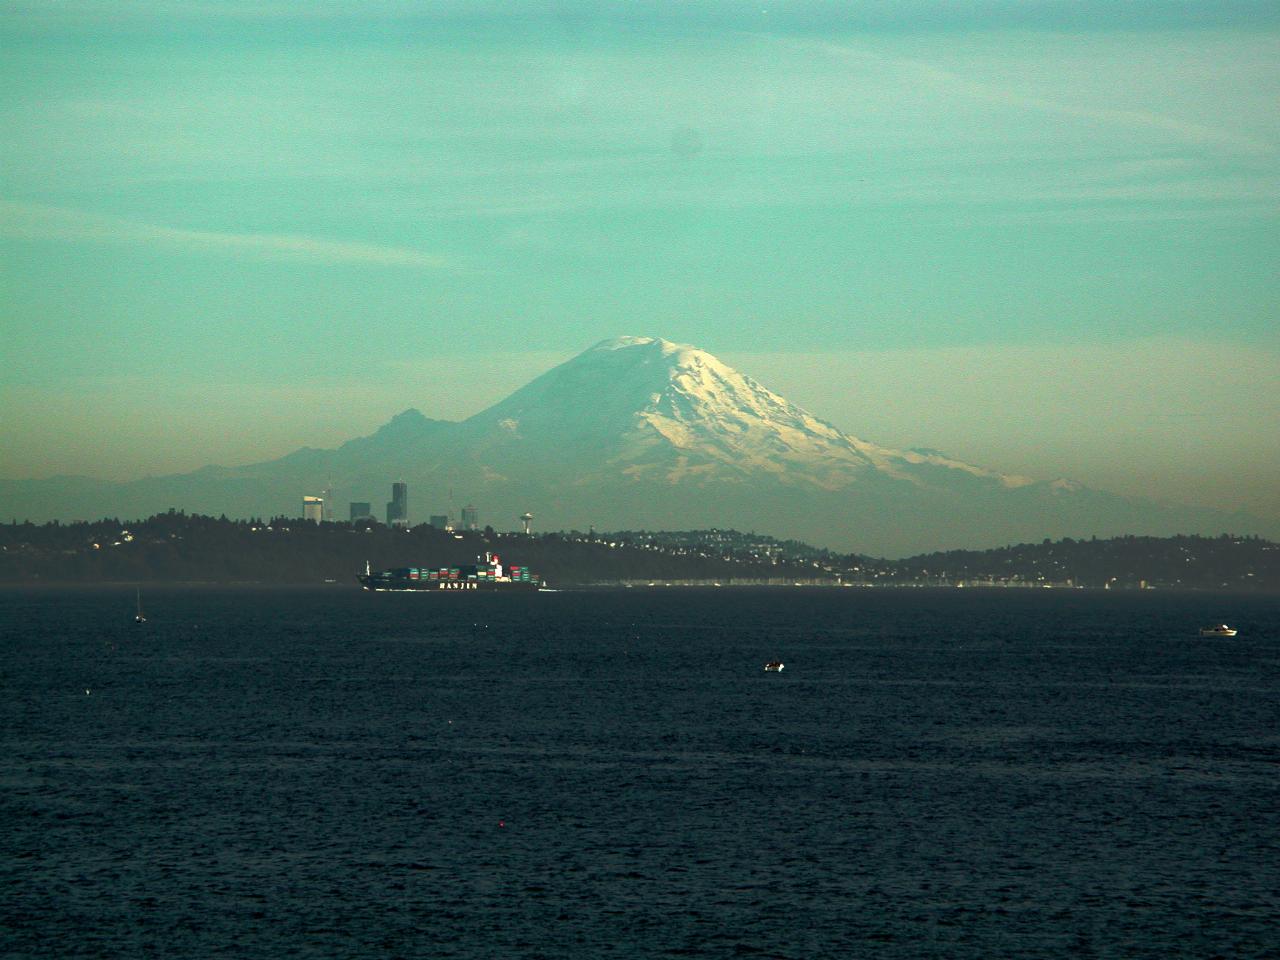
point(139, 617)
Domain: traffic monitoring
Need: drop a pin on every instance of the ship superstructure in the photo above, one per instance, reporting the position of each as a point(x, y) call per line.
point(487, 573)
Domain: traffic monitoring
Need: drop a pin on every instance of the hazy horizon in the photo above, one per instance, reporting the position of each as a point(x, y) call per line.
point(1040, 237)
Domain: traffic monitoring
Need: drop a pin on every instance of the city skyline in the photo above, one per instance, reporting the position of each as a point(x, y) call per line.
point(398, 513)
point(1038, 237)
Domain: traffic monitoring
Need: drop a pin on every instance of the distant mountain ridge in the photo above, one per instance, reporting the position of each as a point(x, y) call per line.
point(640, 432)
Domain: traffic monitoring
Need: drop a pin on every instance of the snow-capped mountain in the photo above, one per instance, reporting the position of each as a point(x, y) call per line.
point(638, 432)
point(668, 412)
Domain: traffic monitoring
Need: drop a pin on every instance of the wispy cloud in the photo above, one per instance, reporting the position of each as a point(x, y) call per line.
point(953, 84)
point(39, 222)
point(1132, 213)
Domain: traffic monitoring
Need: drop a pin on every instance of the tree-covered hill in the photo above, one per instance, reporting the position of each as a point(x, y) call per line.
point(1224, 562)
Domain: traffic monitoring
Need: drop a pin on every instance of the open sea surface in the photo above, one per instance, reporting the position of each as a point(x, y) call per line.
point(329, 773)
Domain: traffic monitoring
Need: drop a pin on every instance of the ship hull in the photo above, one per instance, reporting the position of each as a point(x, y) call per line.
point(388, 585)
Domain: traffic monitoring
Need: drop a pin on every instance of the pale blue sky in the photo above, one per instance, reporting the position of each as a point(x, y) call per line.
point(1042, 236)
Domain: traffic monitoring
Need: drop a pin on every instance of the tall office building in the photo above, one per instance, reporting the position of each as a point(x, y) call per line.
point(470, 518)
point(360, 511)
point(441, 521)
point(398, 508)
point(313, 509)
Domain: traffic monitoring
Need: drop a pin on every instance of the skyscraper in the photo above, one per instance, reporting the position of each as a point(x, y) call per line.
point(398, 508)
point(470, 518)
point(313, 509)
point(360, 510)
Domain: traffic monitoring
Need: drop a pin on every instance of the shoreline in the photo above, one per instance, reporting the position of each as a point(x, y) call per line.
point(642, 586)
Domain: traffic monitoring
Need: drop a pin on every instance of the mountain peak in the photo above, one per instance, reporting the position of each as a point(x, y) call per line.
point(404, 425)
point(680, 354)
point(622, 343)
point(602, 389)
point(649, 407)
point(404, 422)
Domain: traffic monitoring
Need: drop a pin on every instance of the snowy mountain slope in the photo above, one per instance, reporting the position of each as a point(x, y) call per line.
point(667, 411)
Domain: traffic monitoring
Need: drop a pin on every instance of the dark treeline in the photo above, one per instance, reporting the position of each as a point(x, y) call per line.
point(1237, 563)
point(177, 547)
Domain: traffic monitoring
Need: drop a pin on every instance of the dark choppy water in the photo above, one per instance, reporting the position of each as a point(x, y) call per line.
point(329, 773)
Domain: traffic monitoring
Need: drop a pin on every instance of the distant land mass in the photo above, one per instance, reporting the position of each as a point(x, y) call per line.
point(177, 548)
point(643, 433)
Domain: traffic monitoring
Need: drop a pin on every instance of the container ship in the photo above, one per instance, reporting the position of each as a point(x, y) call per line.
point(487, 573)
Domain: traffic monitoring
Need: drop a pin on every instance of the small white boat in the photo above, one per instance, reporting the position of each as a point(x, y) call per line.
point(774, 666)
point(1218, 630)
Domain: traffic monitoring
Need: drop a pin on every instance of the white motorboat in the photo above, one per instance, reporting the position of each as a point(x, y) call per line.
point(1218, 630)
